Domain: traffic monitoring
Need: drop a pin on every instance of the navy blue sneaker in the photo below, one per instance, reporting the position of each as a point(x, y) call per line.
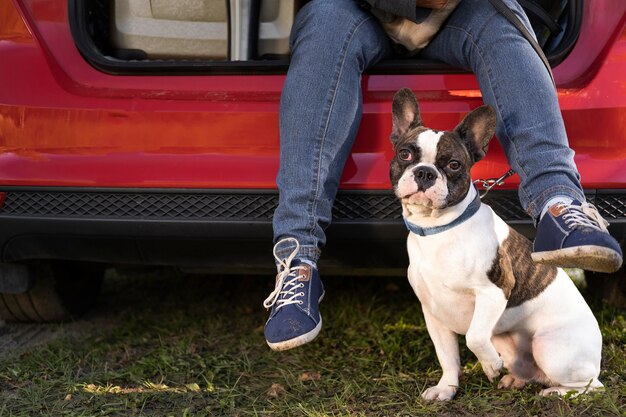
point(294, 317)
point(575, 236)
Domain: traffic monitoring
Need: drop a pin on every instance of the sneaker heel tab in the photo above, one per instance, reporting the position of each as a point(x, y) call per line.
point(557, 209)
point(304, 273)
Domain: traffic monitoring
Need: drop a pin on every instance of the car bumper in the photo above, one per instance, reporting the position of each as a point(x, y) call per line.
point(221, 230)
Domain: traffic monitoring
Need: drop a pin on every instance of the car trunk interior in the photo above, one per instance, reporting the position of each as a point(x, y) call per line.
point(246, 36)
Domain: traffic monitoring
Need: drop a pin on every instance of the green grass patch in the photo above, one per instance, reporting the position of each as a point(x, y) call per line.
point(170, 344)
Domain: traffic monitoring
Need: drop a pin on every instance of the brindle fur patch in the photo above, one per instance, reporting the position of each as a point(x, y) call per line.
point(451, 147)
point(516, 274)
point(397, 166)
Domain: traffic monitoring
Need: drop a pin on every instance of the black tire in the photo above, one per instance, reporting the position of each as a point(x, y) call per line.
point(61, 291)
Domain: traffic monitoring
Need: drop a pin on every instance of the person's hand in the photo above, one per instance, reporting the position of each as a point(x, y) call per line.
point(431, 4)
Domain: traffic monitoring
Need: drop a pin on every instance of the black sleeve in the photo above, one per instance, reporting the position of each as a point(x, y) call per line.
point(402, 8)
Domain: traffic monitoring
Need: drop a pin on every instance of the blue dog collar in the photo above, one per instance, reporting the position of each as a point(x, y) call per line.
point(470, 210)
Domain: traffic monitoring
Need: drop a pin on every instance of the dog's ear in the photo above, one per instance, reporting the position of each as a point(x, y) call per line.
point(405, 113)
point(477, 129)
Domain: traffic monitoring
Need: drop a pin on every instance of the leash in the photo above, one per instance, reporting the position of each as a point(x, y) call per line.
point(470, 210)
point(501, 7)
point(488, 184)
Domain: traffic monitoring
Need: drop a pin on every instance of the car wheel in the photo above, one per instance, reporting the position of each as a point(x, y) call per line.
point(61, 291)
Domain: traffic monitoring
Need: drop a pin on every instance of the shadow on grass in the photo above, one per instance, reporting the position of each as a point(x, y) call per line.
point(167, 343)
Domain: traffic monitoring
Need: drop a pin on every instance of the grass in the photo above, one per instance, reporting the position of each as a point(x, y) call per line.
point(169, 344)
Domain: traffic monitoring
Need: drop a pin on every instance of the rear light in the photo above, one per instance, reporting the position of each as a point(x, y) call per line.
point(13, 28)
point(3, 197)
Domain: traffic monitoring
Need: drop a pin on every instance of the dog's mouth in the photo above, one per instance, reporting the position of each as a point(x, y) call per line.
point(430, 198)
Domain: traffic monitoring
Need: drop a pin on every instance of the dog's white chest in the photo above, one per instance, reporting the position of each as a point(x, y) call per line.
point(445, 272)
point(437, 297)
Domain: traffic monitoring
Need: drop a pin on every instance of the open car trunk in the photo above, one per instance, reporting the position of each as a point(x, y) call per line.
point(246, 36)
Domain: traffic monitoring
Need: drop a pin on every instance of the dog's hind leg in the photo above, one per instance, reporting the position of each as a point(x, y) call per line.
point(515, 349)
point(574, 391)
point(570, 359)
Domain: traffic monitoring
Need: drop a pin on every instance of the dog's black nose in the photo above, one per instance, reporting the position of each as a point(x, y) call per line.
point(425, 177)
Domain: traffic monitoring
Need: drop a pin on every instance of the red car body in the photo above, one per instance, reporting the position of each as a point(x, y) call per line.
point(69, 127)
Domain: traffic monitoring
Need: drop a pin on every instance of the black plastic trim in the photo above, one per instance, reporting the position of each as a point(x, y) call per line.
point(376, 243)
point(571, 34)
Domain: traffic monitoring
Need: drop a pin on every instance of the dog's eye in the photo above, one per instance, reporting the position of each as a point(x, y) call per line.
point(454, 165)
point(405, 154)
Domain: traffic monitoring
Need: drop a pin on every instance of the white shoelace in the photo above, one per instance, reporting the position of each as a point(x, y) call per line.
point(286, 288)
point(584, 215)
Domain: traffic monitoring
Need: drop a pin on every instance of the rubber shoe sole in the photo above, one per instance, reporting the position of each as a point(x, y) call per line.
point(590, 258)
point(296, 341)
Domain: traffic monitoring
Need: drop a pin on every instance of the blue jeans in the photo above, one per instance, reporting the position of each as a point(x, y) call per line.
point(334, 41)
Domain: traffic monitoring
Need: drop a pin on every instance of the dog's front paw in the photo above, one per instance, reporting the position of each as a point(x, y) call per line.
point(492, 369)
point(439, 393)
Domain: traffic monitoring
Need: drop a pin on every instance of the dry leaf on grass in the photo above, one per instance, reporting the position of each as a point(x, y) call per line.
point(276, 391)
point(310, 376)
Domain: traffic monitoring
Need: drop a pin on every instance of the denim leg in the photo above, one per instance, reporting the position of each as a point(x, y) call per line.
point(513, 79)
point(332, 43)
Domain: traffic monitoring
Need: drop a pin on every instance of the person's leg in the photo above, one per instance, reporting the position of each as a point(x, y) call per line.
point(530, 127)
point(332, 43)
point(515, 83)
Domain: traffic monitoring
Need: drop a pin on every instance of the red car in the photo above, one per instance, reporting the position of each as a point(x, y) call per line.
point(137, 132)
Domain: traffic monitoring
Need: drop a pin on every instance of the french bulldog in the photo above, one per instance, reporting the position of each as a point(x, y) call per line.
point(473, 274)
